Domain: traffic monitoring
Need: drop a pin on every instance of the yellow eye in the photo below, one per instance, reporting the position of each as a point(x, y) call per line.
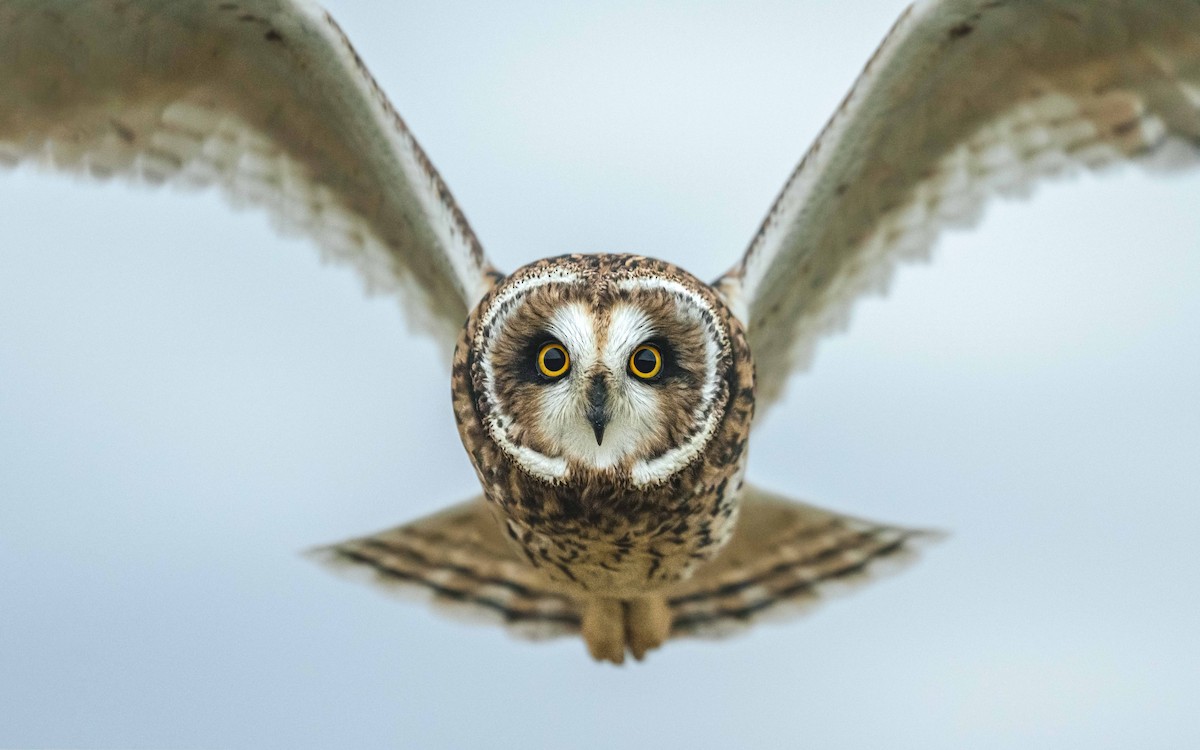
point(552, 360)
point(646, 361)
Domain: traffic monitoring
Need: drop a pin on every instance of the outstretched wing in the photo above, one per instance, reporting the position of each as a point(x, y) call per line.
point(965, 98)
point(784, 557)
point(458, 558)
point(265, 98)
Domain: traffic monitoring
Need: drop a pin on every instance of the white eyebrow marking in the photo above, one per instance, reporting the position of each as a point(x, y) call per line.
point(627, 328)
point(575, 328)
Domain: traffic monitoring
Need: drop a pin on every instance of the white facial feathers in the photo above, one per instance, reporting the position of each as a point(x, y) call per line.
point(628, 327)
point(563, 413)
point(600, 348)
point(574, 327)
point(600, 416)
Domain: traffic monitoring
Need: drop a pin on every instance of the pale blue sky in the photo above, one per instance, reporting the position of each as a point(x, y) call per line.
point(186, 401)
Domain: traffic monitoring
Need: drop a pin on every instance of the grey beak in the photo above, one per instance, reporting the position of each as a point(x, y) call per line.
point(597, 407)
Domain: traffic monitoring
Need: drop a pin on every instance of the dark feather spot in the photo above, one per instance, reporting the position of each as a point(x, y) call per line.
point(123, 131)
point(567, 572)
point(961, 30)
point(1125, 128)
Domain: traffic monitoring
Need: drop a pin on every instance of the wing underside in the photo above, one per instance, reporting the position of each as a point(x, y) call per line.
point(965, 99)
point(266, 100)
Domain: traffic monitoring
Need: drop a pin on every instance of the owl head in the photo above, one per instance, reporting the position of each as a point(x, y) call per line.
point(611, 367)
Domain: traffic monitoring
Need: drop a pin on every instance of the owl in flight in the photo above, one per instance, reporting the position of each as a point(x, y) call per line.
point(607, 401)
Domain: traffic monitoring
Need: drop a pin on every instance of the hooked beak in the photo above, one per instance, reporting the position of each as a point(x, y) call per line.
point(597, 406)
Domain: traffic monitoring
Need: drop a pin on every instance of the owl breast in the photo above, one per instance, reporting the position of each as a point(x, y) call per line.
point(627, 491)
point(616, 541)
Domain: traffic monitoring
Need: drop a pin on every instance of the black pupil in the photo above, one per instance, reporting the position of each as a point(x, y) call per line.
point(554, 359)
point(644, 361)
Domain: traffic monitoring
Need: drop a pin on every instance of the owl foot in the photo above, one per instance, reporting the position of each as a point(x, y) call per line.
point(603, 630)
point(610, 626)
point(647, 625)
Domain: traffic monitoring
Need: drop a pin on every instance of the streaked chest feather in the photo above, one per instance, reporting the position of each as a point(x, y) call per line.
point(622, 543)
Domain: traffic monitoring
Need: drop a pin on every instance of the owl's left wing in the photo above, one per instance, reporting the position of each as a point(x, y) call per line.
point(459, 560)
point(785, 557)
point(964, 99)
point(265, 99)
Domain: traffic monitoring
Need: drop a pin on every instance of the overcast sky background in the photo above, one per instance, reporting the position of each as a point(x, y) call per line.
point(186, 401)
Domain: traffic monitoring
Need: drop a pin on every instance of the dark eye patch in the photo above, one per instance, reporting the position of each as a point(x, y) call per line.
point(526, 366)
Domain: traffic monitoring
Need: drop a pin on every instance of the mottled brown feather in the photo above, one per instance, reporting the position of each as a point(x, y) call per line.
point(459, 557)
point(783, 557)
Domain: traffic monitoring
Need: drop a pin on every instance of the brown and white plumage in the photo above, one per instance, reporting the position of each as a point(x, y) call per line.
point(784, 555)
point(460, 559)
point(964, 99)
point(653, 534)
point(265, 99)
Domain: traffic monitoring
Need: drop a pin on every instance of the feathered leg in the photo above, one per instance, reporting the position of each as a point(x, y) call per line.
point(647, 624)
point(603, 629)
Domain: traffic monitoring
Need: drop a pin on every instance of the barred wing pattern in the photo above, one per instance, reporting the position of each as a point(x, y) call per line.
point(265, 98)
point(964, 99)
point(459, 560)
point(783, 558)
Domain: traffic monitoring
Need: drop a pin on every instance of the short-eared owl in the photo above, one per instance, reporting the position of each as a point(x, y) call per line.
point(606, 401)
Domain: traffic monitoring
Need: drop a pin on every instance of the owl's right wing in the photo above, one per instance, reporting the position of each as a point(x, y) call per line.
point(785, 557)
point(264, 98)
